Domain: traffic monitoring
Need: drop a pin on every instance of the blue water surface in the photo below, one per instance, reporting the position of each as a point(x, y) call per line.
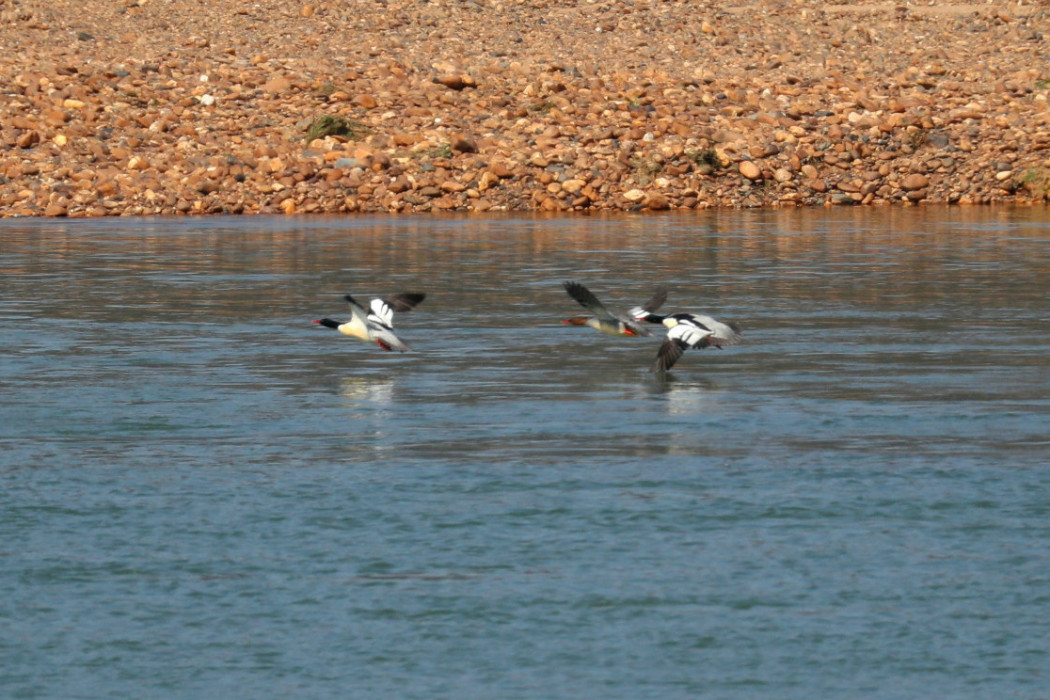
point(203, 494)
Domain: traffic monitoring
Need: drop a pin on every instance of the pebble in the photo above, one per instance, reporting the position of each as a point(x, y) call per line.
point(520, 117)
point(750, 170)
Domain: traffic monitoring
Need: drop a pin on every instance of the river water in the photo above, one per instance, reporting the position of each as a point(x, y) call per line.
point(203, 494)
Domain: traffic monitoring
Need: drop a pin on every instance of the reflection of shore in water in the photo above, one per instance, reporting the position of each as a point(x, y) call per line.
point(685, 397)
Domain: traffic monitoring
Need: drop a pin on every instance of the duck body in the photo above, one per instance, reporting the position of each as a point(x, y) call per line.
point(604, 320)
point(376, 322)
point(690, 332)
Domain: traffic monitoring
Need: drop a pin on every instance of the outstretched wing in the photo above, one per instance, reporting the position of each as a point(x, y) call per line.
point(645, 311)
point(406, 301)
point(359, 312)
point(587, 300)
point(693, 334)
point(656, 302)
point(680, 338)
point(670, 350)
point(721, 333)
point(382, 314)
point(383, 309)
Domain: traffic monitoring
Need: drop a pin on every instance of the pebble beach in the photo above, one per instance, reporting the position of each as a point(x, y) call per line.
point(167, 107)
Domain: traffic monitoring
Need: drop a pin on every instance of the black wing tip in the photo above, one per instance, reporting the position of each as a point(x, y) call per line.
point(657, 300)
point(405, 301)
point(583, 296)
point(669, 353)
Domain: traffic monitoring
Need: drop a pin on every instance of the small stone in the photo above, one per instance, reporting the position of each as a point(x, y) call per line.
point(487, 180)
point(573, 186)
point(634, 195)
point(73, 104)
point(501, 171)
point(405, 139)
point(28, 139)
point(277, 85)
point(657, 202)
point(914, 181)
point(137, 163)
point(750, 170)
point(782, 175)
point(456, 81)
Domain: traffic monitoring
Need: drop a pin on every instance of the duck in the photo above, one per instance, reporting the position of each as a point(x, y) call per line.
point(604, 320)
point(686, 331)
point(375, 323)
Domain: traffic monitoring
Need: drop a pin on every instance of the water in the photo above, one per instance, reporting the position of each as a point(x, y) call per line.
point(202, 494)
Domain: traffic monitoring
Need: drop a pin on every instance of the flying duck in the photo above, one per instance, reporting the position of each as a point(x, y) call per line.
point(604, 320)
point(376, 322)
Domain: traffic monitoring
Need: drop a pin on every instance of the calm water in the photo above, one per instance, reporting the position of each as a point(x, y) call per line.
point(203, 494)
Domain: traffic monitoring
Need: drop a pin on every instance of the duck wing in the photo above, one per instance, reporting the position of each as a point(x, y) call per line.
point(406, 301)
point(669, 353)
point(645, 311)
point(721, 333)
point(680, 338)
point(359, 312)
point(587, 300)
point(656, 302)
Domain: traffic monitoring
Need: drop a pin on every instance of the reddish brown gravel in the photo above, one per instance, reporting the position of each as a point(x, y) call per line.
point(144, 107)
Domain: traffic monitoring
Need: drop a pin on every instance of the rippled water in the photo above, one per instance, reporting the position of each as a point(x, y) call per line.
point(203, 494)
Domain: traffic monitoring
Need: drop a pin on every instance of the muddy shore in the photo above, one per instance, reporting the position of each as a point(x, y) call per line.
point(160, 107)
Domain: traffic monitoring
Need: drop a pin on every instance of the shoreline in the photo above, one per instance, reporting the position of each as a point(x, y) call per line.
point(149, 108)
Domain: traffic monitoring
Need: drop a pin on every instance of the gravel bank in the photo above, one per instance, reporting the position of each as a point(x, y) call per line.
point(194, 107)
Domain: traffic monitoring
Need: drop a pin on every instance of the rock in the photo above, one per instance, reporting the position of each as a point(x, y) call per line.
point(501, 170)
point(206, 124)
point(750, 170)
point(488, 179)
point(278, 84)
point(456, 81)
point(573, 186)
point(657, 201)
point(914, 181)
point(28, 139)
